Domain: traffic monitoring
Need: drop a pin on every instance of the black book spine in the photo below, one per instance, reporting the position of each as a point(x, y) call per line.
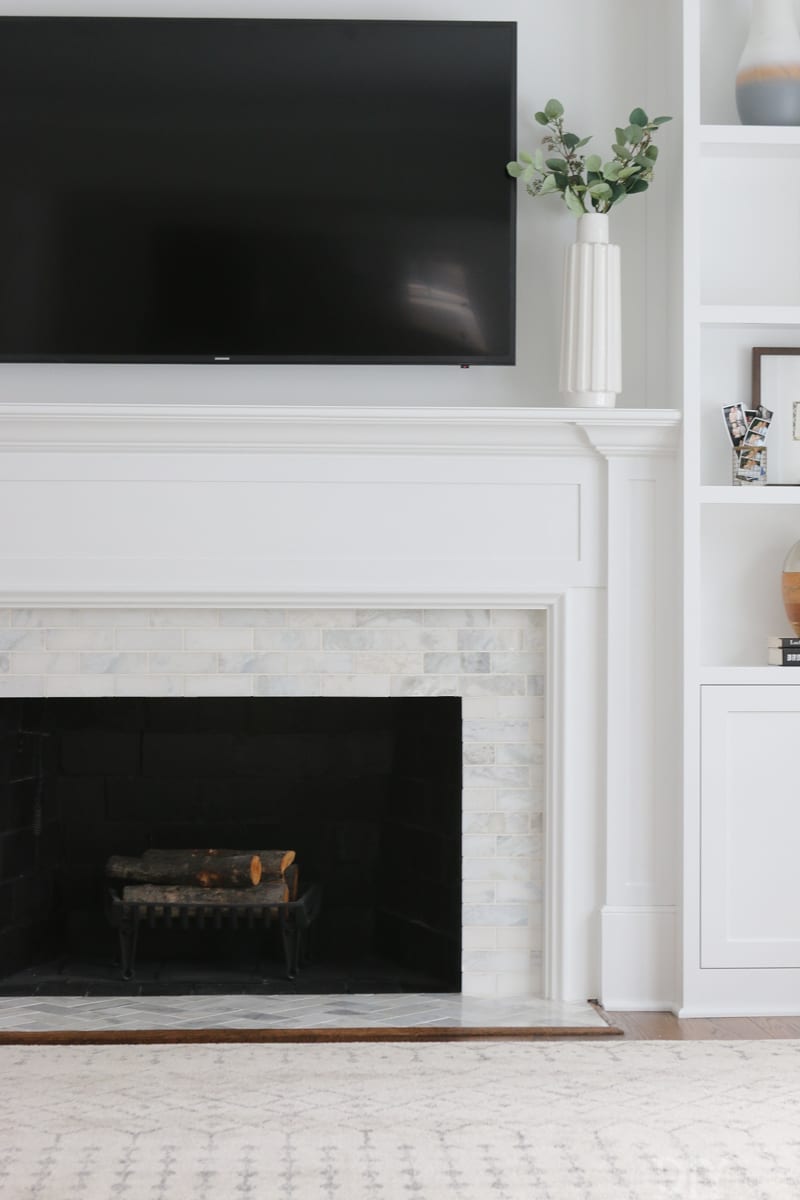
point(784, 657)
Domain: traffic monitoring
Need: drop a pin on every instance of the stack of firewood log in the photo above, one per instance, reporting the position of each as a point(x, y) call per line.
point(233, 878)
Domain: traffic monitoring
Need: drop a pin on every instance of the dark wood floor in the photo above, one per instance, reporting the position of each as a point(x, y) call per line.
point(663, 1026)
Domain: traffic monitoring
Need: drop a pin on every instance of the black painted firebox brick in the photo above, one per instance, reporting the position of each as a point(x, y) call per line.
point(367, 791)
point(27, 835)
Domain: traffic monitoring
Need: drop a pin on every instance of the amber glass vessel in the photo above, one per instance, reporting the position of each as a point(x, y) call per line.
point(791, 587)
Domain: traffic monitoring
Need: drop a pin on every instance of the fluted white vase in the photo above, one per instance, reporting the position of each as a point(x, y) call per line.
point(591, 330)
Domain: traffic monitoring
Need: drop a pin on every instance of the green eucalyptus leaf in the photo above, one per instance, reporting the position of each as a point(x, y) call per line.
point(528, 175)
point(660, 120)
point(542, 118)
point(594, 163)
point(634, 134)
point(549, 185)
point(638, 185)
point(638, 117)
point(628, 172)
point(620, 151)
point(570, 140)
point(556, 164)
point(583, 142)
point(611, 171)
point(652, 152)
point(525, 157)
point(554, 109)
point(514, 169)
point(619, 134)
point(644, 162)
point(601, 191)
point(574, 205)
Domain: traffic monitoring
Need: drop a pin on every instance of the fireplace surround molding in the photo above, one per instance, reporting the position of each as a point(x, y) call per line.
point(567, 512)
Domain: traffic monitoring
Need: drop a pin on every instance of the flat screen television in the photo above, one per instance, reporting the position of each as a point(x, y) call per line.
point(194, 190)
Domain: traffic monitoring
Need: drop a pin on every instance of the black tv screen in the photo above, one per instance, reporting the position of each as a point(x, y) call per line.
point(195, 190)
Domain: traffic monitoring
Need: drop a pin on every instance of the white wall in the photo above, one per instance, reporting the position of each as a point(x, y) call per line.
point(601, 58)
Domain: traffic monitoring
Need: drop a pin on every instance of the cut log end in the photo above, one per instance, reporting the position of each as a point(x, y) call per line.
point(273, 862)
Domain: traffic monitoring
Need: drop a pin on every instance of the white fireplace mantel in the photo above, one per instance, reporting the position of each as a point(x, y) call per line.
point(571, 511)
point(222, 429)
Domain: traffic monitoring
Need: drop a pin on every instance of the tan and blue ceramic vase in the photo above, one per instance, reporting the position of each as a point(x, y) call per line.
point(768, 77)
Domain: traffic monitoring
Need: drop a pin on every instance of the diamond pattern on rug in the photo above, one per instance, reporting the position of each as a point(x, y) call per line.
point(511, 1121)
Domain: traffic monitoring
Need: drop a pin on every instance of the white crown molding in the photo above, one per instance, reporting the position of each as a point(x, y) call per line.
point(171, 428)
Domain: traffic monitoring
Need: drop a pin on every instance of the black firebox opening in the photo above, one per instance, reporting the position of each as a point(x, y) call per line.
point(366, 791)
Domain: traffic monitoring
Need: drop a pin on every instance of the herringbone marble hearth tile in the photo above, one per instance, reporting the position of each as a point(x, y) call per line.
point(286, 1012)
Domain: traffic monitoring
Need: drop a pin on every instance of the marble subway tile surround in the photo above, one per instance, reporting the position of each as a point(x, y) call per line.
point(494, 659)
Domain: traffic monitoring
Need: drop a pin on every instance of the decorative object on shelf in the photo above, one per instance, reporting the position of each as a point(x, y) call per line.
point(590, 373)
point(749, 467)
point(790, 587)
point(747, 429)
point(783, 651)
point(768, 75)
point(776, 387)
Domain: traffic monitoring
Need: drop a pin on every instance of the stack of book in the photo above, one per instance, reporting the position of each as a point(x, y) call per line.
point(783, 651)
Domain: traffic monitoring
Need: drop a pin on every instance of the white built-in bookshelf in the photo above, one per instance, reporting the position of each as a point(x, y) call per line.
point(741, 289)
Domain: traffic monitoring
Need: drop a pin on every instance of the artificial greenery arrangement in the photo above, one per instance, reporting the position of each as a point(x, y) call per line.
point(560, 167)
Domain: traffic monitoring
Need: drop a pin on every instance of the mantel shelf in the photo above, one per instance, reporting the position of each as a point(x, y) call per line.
point(219, 429)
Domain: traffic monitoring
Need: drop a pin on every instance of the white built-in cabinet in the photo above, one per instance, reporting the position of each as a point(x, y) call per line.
point(741, 929)
point(750, 827)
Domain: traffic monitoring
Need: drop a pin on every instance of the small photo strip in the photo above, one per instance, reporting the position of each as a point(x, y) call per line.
point(756, 434)
point(736, 422)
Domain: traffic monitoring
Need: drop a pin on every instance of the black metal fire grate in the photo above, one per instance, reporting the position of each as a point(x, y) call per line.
point(293, 918)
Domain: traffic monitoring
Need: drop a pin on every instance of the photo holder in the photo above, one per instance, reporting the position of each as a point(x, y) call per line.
point(749, 467)
point(747, 429)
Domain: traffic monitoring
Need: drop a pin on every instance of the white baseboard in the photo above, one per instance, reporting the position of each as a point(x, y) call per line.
point(638, 959)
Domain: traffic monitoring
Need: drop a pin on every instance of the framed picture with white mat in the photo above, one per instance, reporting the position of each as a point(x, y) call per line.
point(776, 386)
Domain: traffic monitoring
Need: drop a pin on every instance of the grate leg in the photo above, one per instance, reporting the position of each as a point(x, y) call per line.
point(128, 936)
point(291, 947)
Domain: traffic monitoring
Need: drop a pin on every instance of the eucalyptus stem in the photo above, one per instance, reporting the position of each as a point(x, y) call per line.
point(587, 179)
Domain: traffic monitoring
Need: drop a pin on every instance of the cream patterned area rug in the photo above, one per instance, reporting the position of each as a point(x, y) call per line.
point(478, 1121)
